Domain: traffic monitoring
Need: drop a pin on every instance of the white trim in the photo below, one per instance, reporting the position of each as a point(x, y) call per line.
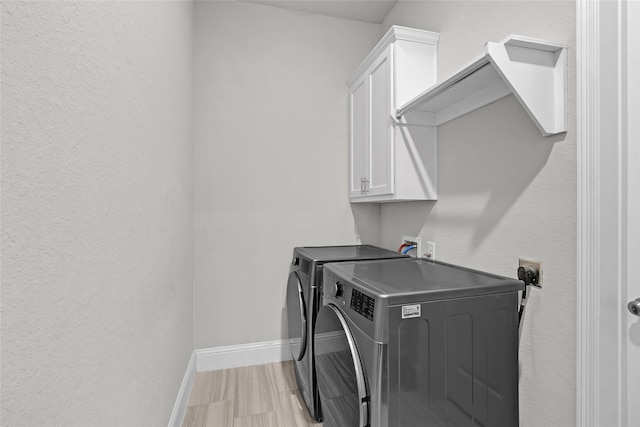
point(601, 252)
point(415, 35)
point(180, 406)
point(394, 34)
point(235, 356)
point(588, 236)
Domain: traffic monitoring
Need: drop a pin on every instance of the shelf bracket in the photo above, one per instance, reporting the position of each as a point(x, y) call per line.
point(534, 71)
point(401, 120)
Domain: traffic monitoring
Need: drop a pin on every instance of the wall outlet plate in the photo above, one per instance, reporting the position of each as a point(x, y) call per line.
point(430, 251)
point(536, 266)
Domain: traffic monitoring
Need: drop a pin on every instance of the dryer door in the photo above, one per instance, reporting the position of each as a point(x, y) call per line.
point(341, 378)
point(296, 316)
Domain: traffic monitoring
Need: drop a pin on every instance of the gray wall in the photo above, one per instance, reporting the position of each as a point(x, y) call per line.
point(270, 158)
point(97, 178)
point(505, 191)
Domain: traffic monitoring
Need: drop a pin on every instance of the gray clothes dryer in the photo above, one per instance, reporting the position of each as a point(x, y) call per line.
point(304, 289)
point(405, 343)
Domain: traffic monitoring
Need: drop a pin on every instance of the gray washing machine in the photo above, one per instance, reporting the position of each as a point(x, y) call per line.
point(304, 288)
point(405, 343)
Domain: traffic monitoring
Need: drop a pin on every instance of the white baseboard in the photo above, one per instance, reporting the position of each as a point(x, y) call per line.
point(180, 407)
point(232, 356)
point(236, 356)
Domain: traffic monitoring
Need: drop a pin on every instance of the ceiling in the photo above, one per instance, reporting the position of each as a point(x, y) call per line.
point(373, 11)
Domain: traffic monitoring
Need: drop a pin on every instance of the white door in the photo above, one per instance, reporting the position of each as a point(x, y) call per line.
point(631, 328)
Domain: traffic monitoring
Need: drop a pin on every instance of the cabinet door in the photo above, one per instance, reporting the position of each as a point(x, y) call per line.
point(359, 132)
point(379, 147)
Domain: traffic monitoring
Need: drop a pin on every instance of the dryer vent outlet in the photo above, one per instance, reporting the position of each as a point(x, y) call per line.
point(413, 242)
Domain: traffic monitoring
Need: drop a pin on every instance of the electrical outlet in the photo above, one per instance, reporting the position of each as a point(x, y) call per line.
point(530, 270)
point(412, 241)
point(430, 252)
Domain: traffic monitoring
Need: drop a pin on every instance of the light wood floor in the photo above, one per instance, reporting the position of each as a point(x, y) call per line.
point(253, 396)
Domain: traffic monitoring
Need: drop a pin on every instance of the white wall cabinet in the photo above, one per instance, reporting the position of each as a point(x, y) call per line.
point(389, 160)
point(395, 106)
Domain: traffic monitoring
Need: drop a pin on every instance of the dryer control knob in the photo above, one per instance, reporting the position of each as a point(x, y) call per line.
point(338, 289)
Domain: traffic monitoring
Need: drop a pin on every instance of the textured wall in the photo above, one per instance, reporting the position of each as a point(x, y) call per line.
point(97, 185)
point(506, 192)
point(271, 160)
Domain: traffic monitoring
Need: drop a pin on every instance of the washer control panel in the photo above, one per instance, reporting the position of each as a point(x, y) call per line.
point(362, 304)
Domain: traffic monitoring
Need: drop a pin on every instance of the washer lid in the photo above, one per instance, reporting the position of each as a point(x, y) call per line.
point(404, 280)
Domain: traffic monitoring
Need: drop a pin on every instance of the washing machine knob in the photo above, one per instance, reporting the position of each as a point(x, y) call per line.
point(338, 289)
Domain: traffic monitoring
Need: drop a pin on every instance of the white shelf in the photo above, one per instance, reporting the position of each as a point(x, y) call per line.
point(534, 71)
